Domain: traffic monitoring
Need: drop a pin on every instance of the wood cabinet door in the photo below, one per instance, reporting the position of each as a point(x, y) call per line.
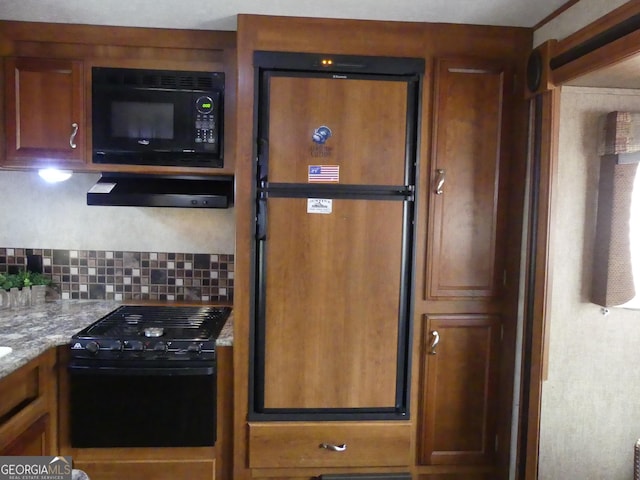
point(33, 441)
point(460, 362)
point(466, 220)
point(44, 112)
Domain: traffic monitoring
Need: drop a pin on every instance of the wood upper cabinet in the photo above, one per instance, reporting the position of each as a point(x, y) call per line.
point(459, 369)
point(466, 218)
point(44, 112)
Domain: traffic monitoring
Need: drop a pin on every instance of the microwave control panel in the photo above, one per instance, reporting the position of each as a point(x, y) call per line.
point(206, 124)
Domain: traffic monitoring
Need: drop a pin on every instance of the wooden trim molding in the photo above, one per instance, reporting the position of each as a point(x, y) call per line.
point(538, 288)
point(556, 13)
point(13, 31)
point(624, 47)
point(122, 46)
point(607, 41)
point(612, 19)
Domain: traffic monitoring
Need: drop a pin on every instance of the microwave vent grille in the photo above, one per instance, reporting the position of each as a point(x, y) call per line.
point(186, 81)
point(158, 79)
point(205, 83)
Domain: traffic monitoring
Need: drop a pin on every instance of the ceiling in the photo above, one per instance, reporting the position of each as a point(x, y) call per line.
point(221, 15)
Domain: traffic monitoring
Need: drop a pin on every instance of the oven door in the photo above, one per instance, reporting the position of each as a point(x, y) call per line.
point(142, 406)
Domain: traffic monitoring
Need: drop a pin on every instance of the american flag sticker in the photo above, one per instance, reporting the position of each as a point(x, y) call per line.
point(324, 173)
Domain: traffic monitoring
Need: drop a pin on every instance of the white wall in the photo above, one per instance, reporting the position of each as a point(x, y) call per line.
point(590, 416)
point(574, 18)
point(40, 215)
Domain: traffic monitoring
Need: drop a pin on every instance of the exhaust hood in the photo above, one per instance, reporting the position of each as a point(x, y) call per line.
point(143, 190)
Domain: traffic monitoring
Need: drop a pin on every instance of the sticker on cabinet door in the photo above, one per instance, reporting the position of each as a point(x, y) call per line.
point(319, 205)
point(321, 135)
point(319, 147)
point(324, 174)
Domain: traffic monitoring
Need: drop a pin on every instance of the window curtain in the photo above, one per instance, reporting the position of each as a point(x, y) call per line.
point(613, 281)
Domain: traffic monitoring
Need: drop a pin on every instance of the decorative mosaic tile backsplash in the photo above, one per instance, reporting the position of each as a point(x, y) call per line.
point(114, 275)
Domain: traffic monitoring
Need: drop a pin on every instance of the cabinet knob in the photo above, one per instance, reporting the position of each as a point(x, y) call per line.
point(334, 448)
point(440, 172)
point(434, 342)
point(74, 132)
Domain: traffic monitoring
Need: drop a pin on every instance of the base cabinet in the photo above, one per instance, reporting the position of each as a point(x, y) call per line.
point(329, 444)
point(340, 474)
point(32, 441)
point(157, 470)
point(286, 478)
point(459, 390)
point(458, 476)
point(297, 450)
point(27, 409)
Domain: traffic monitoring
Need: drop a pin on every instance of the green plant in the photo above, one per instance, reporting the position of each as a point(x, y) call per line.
point(23, 278)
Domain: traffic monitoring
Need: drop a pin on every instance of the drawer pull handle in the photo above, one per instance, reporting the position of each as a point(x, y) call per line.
point(334, 448)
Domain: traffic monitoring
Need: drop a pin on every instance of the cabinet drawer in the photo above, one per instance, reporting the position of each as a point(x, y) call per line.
point(26, 400)
point(299, 445)
point(158, 470)
point(20, 389)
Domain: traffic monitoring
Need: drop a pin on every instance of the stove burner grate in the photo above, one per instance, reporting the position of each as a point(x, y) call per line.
point(189, 323)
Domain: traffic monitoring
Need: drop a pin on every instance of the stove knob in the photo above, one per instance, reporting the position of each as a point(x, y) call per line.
point(194, 348)
point(92, 347)
point(133, 345)
point(160, 347)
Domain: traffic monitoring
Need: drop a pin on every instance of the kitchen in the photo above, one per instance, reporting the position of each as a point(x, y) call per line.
point(315, 34)
point(109, 254)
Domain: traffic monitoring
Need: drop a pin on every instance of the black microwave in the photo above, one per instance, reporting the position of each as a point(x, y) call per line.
point(157, 117)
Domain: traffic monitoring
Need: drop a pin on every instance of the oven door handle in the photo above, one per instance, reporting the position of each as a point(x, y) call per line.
point(139, 371)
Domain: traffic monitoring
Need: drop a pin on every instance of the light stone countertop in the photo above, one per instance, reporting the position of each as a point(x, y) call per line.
point(30, 331)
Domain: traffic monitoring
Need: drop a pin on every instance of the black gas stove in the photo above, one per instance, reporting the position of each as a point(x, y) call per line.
point(152, 333)
point(153, 369)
